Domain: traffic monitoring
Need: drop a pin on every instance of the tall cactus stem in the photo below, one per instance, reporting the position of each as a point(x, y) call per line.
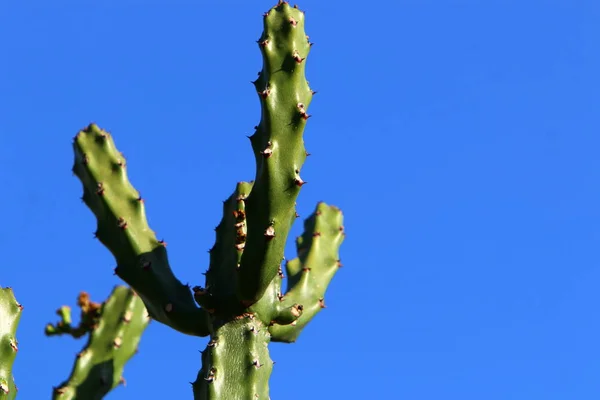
point(278, 148)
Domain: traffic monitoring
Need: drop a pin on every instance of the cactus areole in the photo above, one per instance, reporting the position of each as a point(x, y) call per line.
point(241, 305)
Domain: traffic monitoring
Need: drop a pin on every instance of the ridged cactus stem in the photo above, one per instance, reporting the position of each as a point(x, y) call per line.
point(115, 328)
point(10, 314)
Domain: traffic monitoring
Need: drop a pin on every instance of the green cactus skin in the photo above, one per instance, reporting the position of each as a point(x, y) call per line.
point(10, 314)
point(242, 307)
point(115, 329)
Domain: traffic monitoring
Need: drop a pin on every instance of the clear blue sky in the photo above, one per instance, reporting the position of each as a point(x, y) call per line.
point(461, 139)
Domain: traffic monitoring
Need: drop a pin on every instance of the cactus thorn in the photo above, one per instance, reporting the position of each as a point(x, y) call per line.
point(297, 57)
point(302, 110)
point(270, 232)
point(265, 93)
point(122, 223)
point(267, 152)
point(211, 375)
point(299, 182)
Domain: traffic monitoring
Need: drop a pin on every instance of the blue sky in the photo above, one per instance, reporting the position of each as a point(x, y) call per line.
point(459, 137)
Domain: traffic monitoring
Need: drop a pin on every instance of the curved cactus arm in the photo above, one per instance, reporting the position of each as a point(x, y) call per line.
point(115, 329)
point(278, 148)
point(311, 272)
point(10, 314)
point(122, 227)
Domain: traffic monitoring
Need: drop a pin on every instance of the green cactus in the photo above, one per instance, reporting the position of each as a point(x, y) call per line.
point(242, 307)
point(115, 328)
point(10, 314)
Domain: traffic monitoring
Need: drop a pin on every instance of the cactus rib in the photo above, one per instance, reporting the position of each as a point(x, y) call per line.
point(122, 227)
point(10, 314)
point(115, 329)
point(311, 272)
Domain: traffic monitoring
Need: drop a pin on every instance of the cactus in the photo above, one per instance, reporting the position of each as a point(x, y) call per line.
point(115, 328)
point(10, 314)
point(241, 305)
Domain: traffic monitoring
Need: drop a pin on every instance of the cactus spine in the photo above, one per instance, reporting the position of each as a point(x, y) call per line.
point(10, 314)
point(115, 328)
point(242, 307)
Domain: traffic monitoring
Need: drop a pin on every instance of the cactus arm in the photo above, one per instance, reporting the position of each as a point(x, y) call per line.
point(122, 227)
point(278, 148)
point(10, 314)
point(115, 329)
point(311, 272)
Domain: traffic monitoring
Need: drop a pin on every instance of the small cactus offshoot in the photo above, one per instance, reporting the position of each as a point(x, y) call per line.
point(114, 328)
point(241, 305)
